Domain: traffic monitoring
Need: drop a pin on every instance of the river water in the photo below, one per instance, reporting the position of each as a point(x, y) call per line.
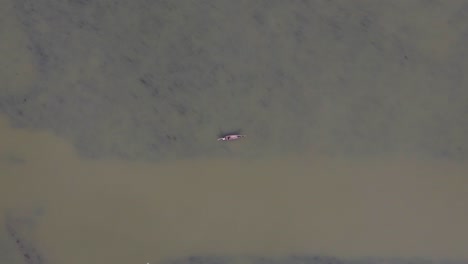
point(355, 116)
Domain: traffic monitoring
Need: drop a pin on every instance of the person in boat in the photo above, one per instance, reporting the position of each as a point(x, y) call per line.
point(230, 137)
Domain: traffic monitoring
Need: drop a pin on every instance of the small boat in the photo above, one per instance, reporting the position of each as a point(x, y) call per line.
point(230, 137)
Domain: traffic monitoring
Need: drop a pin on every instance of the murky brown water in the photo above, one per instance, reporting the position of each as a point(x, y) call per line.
point(117, 211)
point(355, 115)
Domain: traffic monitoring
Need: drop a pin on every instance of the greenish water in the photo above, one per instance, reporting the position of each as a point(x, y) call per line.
point(354, 111)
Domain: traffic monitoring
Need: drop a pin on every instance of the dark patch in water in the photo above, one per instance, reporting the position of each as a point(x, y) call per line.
point(29, 253)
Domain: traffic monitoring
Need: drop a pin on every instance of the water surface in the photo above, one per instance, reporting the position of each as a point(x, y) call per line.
point(355, 115)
